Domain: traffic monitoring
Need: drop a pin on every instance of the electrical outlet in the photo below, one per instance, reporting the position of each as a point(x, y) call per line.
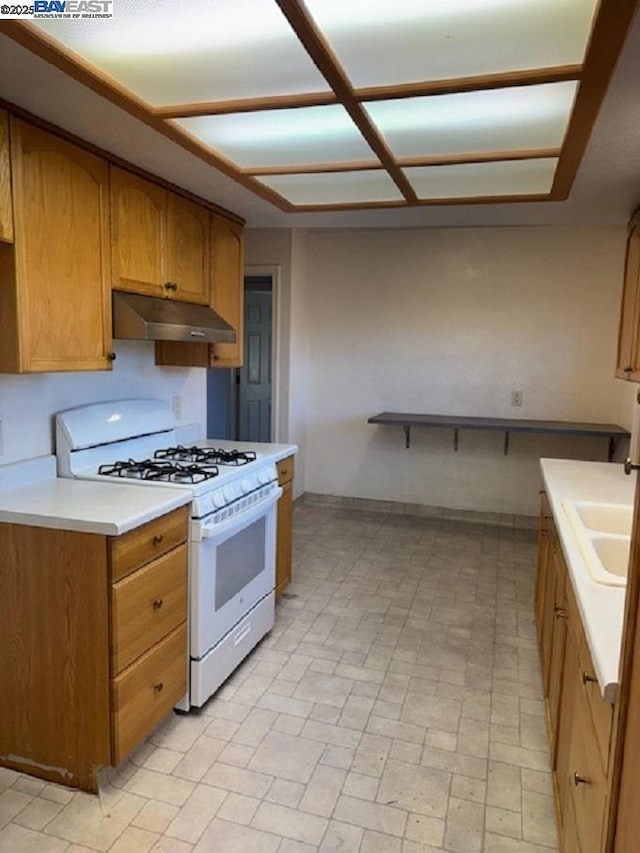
point(517, 399)
point(176, 406)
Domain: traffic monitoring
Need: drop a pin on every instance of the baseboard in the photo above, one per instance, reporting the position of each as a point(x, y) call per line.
point(498, 519)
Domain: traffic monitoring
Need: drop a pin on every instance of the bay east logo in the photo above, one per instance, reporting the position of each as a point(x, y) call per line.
point(73, 8)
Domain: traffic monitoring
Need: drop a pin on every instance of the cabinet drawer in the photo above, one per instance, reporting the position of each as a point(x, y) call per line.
point(285, 470)
point(146, 605)
point(138, 547)
point(146, 691)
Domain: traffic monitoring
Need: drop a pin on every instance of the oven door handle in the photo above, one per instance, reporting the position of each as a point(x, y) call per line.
point(241, 519)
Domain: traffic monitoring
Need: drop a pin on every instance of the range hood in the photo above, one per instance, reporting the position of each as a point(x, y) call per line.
point(149, 318)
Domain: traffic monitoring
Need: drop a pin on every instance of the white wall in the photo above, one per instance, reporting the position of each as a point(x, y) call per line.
point(28, 402)
point(287, 250)
point(450, 321)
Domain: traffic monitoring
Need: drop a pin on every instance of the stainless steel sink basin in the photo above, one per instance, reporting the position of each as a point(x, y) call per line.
point(606, 518)
point(603, 532)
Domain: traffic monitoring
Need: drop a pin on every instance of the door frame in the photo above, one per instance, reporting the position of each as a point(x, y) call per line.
point(273, 272)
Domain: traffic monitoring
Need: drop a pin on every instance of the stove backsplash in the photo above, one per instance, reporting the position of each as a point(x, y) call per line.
point(28, 403)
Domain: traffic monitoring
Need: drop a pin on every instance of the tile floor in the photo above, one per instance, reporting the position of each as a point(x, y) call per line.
point(395, 708)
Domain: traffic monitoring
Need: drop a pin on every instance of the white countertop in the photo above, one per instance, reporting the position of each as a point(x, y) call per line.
point(601, 607)
point(85, 506)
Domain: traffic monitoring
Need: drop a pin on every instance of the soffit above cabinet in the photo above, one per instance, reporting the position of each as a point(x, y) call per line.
point(333, 105)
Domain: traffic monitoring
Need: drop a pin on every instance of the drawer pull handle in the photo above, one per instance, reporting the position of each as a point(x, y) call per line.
point(157, 603)
point(560, 612)
point(588, 679)
point(579, 780)
point(157, 540)
point(159, 687)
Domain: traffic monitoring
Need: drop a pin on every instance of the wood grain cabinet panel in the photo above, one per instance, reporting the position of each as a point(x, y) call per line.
point(63, 714)
point(226, 297)
point(160, 240)
point(138, 234)
point(6, 203)
point(147, 542)
point(628, 360)
point(284, 529)
point(147, 605)
point(55, 306)
point(145, 692)
point(188, 250)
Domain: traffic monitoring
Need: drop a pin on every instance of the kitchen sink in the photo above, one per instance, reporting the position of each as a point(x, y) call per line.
point(606, 518)
point(603, 532)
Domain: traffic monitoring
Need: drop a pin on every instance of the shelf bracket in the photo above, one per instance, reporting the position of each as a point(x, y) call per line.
point(455, 440)
point(407, 435)
point(506, 444)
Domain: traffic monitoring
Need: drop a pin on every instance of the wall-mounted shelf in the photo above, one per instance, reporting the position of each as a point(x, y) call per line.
point(507, 425)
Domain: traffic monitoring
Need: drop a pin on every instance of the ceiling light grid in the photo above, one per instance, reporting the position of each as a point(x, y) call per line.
point(322, 103)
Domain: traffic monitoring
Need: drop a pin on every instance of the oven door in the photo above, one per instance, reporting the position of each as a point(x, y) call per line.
point(232, 569)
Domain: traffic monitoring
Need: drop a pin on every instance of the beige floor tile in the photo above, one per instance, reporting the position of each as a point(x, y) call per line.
point(290, 846)
point(57, 794)
point(11, 803)
point(194, 763)
point(196, 814)
point(28, 785)
point(361, 786)
point(465, 827)
point(290, 823)
point(225, 837)
point(538, 815)
point(257, 724)
point(327, 689)
point(171, 845)
point(343, 837)
point(159, 786)
point(239, 780)
point(425, 830)
point(466, 788)
point(134, 840)
point(8, 778)
point(337, 756)
point(285, 793)
point(38, 813)
point(19, 839)
point(83, 820)
point(323, 791)
point(162, 760)
point(238, 809)
point(415, 788)
point(503, 822)
point(286, 757)
point(155, 816)
point(381, 818)
point(442, 740)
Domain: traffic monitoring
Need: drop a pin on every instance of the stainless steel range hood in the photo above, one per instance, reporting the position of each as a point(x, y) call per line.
point(149, 318)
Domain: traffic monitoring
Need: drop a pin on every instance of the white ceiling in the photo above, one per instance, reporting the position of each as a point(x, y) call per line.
point(606, 190)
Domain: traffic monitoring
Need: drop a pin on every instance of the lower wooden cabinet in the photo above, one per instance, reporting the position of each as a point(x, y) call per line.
point(285, 524)
point(94, 644)
point(580, 722)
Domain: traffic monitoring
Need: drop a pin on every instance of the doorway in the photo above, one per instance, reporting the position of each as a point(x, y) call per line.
point(241, 401)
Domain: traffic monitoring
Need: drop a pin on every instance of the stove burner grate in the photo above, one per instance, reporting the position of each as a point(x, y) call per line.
point(206, 455)
point(160, 470)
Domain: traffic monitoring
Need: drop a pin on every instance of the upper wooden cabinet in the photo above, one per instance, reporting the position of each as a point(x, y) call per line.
point(6, 206)
point(160, 241)
point(55, 311)
point(226, 299)
point(628, 363)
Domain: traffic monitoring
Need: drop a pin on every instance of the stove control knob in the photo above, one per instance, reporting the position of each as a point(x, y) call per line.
point(245, 485)
point(229, 493)
point(263, 476)
point(218, 499)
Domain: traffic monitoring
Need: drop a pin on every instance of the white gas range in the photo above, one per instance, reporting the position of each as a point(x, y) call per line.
point(232, 528)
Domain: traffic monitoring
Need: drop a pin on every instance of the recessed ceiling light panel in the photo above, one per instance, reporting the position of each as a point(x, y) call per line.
point(282, 137)
point(442, 39)
point(479, 180)
point(511, 119)
point(193, 51)
point(335, 187)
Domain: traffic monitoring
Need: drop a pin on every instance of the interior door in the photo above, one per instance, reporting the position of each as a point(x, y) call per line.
point(254, 385)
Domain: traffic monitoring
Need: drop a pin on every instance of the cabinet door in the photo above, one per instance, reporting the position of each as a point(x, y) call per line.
point(544, 555)
point(138, 230)
point(227, 286)
point(628, 362)
point(569, 695)
point(556, 662)
point(283, 537)
point(6, 207)
point(61, 198)
point(188, 250)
